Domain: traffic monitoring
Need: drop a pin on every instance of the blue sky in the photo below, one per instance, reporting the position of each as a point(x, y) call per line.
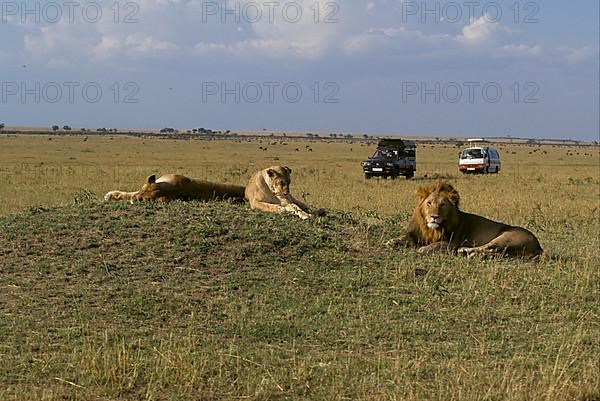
point(381, 66)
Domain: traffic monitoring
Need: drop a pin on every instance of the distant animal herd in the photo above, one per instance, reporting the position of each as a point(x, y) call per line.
point(437, 223)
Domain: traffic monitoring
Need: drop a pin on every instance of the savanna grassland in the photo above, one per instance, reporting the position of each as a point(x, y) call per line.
point(213, 301)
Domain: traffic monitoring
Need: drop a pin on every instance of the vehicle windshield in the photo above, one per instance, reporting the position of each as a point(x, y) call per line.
point(385, 154)
point(473, 154)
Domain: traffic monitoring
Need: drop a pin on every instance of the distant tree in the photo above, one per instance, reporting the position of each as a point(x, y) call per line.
point(55, 128)
point(195, 130)
point(365, 136)
point(67, 128)
point(2, 125)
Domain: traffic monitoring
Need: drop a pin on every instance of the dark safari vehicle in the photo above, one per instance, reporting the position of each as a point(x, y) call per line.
point(393, 158)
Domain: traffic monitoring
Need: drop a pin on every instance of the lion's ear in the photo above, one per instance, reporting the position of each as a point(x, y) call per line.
point(151, 179)
point(454, 197)
point(452, 193)
point(289, 170)
point(424, 192)
point(271, 173)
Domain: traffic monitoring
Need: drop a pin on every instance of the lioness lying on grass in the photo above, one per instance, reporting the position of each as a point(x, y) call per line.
point(269, 190)
point(177, 187)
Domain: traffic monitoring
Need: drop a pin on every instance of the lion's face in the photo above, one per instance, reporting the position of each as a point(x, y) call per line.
point(438, 205)
point(150, 190)
point(436, 209)
point(278, 180)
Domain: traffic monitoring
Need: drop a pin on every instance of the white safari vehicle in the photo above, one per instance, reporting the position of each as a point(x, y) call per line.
point(479, 158)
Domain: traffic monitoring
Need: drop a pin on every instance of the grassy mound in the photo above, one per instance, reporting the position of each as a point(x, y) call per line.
point(212, 301)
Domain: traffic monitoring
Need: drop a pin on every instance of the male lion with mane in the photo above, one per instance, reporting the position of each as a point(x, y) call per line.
point(269, 190)
point(178, 187)
point(438, 224)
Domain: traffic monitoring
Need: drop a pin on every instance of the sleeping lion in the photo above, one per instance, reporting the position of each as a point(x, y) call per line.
point(178, 187)
point(438, 224)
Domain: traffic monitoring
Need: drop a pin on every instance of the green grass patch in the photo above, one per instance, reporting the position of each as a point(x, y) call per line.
point(213, 301)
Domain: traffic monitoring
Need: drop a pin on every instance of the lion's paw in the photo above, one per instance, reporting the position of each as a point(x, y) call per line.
point(110, 196)
point(392, 243)
point(400, 242)
point(465, 251)
point(300, 213)
point(424, 250)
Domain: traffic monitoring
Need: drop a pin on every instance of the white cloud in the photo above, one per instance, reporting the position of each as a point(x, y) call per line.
point(176, 28)
point(480, 37)
point(577, 55)
point(289, 33)
point(60, 44)
point(398, 39)
point(521, 50)
point(146, 44)
point(481, 31)
point(68, 44)
point(108, 46)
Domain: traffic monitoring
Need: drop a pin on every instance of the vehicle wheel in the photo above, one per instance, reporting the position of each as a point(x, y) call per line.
point(410, 174)
point(367, 177)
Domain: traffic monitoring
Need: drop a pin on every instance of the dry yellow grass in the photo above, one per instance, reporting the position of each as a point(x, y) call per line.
point(215, 302)
point(539, 187)
point(39, 171)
